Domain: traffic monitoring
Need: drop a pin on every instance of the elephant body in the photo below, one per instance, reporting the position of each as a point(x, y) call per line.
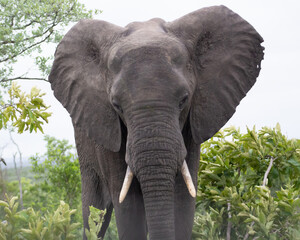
point(142, 99)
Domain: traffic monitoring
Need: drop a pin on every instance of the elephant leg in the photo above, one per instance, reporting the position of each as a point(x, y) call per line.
point(94, 191)
point(106, 221)
point(93, 194)
point(130, 215)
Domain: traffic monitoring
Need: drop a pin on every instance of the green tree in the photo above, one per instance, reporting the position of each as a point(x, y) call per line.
point(58, 175)
point(26, 28)
point(249, 186)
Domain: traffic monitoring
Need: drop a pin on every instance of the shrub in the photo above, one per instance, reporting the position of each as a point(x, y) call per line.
point(30, 224)
point(248, 186)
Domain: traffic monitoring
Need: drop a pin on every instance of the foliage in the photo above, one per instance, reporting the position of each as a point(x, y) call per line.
point(58, 224)
point(29, 224)
point(26, 111)
point(249, 186)
point(96, 220)
point(26, 27)
point(207, 225)
point(56, 176)
point(10, 227)
point(58, 173)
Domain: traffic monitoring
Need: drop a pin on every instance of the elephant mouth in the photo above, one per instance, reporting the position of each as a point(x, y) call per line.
point(185, 174)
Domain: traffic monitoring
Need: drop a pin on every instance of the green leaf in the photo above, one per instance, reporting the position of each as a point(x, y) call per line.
point(4, 204)
point(21, 127)
point(262, 218)
point(285, 206)
point(243, 214)
point(31, 127)
point(269, 225)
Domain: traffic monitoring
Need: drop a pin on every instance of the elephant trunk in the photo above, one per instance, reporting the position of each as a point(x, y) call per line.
point(155, 152)
point(156, 164)
point(158, 194)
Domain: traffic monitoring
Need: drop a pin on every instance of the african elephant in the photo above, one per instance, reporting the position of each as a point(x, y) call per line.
point(142, 99)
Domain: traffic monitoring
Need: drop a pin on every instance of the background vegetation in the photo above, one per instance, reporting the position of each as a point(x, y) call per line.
point(249, 186)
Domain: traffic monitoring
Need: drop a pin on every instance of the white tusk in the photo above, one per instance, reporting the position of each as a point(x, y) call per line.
point(126, 184)
point(188, 179)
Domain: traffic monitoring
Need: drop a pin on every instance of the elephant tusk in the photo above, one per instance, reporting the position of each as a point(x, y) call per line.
point(126, 184)
point(188, 179)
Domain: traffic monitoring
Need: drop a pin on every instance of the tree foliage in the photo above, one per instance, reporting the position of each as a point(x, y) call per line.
point(95, 221)
point(27, 28)
point(25, 111)
point(58, 174)
point(26, 24)
point(56, 177)
point(249, 186)
point(31, 224)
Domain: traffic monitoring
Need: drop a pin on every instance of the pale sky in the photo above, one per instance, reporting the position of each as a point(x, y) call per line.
point(274, 98)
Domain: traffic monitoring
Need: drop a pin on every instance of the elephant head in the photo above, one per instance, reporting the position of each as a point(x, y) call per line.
point(151, 79)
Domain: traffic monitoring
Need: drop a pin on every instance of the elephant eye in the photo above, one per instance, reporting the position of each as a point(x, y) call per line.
point(177, 61)
point(183, 102)
point(117, 107)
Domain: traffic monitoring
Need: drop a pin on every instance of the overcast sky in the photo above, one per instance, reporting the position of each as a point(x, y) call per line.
point(274, 98)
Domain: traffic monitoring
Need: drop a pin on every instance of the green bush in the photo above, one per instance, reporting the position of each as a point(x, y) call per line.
point(30, 224)
point(57, 175)
point(96, 219)
point(248, 186)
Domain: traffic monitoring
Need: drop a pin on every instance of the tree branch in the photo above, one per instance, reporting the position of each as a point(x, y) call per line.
point(18, 171)
point(267, 172)
point(3, 106)
point(31, 46)
point(228, 233)
point(263, 184)
point(25, 26)
point(247, 234)
point(29, 38)
point(2, 173)
point(23, 78)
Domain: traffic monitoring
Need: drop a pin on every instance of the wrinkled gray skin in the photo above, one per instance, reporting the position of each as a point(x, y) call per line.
point(146, 96)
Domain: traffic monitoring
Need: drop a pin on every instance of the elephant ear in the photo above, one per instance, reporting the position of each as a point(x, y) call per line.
point(78, 79)
point(226, 54)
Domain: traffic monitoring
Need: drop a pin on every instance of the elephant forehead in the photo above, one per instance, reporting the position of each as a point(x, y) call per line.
point(147, 35)
point(154, 24)
point(148, 58)
point(146, 39)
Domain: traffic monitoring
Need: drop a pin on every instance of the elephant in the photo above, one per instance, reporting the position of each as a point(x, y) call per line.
point(142, 98)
